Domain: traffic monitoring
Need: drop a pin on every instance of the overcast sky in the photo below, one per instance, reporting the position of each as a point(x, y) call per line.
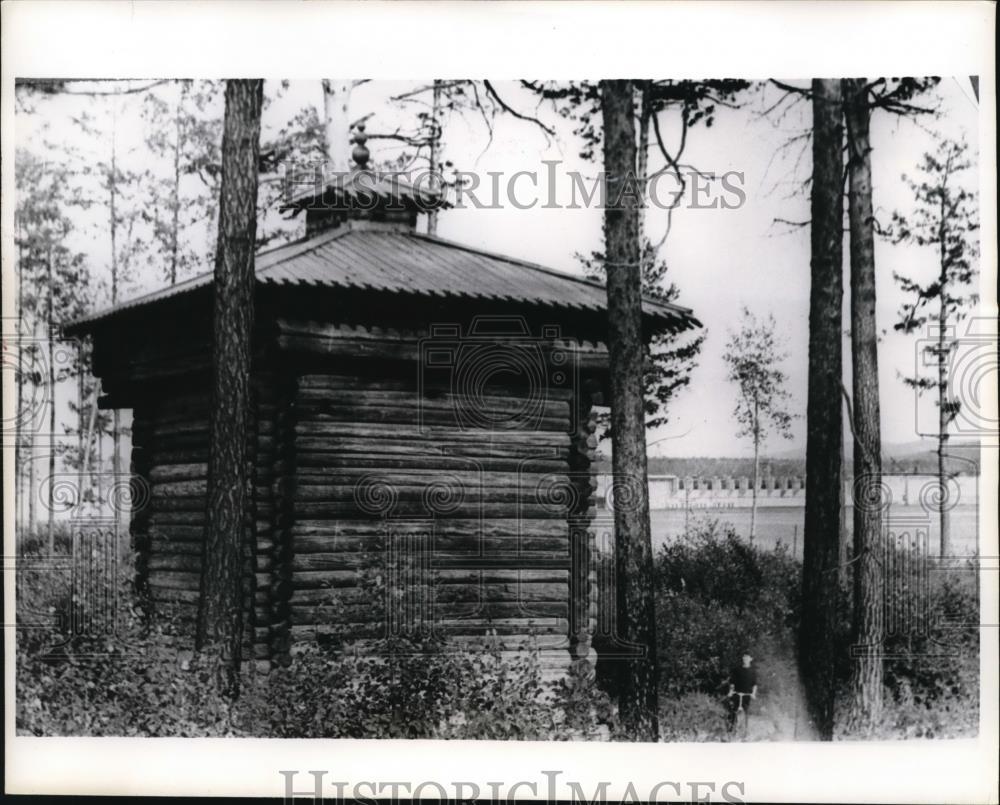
point(721, 259)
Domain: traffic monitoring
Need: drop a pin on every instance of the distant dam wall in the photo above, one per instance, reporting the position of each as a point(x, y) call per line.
point(675, 492)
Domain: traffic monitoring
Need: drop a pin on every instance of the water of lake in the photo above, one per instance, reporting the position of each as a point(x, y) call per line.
point(785, 525)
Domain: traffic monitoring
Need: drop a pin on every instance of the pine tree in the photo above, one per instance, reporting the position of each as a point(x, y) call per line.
point(945, 218)
point(633, 544)
point(222, 600)
point(823, 530)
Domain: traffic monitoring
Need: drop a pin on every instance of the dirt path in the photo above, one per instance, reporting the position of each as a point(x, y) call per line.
point(781, 714)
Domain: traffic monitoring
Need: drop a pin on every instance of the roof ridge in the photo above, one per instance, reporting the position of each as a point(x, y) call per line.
point(539, 267)
point(297, 247)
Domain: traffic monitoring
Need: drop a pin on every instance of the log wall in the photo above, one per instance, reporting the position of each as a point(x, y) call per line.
point(170, 449)
point(384, 504)
point(409, 518)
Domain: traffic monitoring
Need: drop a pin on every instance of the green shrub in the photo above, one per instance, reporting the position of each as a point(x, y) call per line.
point(407, 690)
point(716, 595)
point(931, 674)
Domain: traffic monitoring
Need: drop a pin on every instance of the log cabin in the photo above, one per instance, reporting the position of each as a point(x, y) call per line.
point(422, 443)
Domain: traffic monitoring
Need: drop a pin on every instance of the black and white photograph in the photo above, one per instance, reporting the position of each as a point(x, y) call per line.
point(656, 414)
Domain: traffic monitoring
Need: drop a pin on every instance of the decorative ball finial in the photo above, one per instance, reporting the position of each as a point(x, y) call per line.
point(360, 153)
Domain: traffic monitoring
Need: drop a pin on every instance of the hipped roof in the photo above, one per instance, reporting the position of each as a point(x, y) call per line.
point(396, 260)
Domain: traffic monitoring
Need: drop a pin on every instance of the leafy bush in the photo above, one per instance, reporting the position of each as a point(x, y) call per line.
point(931, 675)
point(395, 689)
point(716, 595)
point(144, 680)
point(692, 717)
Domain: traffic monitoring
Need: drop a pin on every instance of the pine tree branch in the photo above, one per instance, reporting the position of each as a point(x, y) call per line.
point(503, 105)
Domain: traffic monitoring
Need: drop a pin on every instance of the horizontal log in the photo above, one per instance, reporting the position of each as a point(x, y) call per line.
point(409, 508)
point(368, 447)
point(165, 520)
point(515, 546)
point(318, 399)
point(201, 412)
point(346, 595)
point(317, 345)
point(167, 547)
point(171, 489)
point(195, 504)
point(177, 532)
point(469, 477)
point(430, 389)
point(456, 435)
point(335, 340)
point(340, 569)
point(305, 633)
point(500, 575)
point(475, 421)
point(322, 574)
point(174, 580)
point(505, 527)
point(526, 593)
point(178, 472)
point(435, 496)
point(200, 427)
point(175, 561)
point(163, 517)
point(183, 400)
point(342, 560)
point(443, 616)
point(312, 463)
point(310, 549)
point(304, 613)
point(318, 589)
point(165, 454)
point(159, 593)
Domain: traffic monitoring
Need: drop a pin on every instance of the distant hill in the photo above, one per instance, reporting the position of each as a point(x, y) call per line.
point(915, 458)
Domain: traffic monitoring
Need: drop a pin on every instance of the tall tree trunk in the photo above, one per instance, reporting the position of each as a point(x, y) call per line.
point(435, 155)
point(50, 337)
point(221, 609)
point(942, 383)
point(633, 546)
point(113, 191)
point(80, 381)
point(756, 471)
point(88, 445)
point(642, 157)
point(21, 342)
point(336, 114)
point(824, 440)
point(32, 445)
point(866, 680)
point(99, 464)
